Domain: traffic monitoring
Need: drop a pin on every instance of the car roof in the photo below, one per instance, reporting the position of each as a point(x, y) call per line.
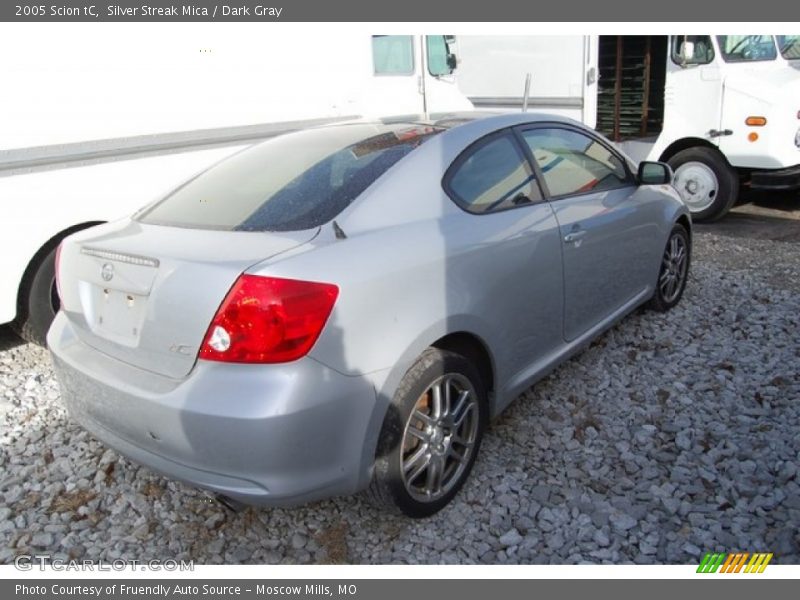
point(483, 120)
point(492, 118)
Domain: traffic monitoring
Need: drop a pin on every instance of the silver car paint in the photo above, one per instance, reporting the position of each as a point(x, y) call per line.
point(413, 268)
point(611, 262)
point(194, 271)
point(252, 432)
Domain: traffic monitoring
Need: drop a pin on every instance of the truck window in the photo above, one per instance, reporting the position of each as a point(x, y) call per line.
point(789, 46)
point(746, 48)
point(699, 47)
point(393, 54)
point(439, 57)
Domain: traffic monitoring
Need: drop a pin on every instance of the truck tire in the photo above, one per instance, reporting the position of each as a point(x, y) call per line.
point(705, 181)
point(39, 302)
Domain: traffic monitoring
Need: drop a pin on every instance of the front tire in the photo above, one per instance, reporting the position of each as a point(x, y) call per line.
point(39, 303)
point(674, 270)
point(706, 183)
point(430, 436)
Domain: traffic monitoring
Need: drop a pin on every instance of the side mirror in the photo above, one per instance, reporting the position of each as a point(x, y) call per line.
point(654, 173)
point(687, 52)
point(452, 61)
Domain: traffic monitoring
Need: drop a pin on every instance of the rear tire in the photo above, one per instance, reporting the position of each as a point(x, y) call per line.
point(430, 436)
point(39, 303)
point(705, 181)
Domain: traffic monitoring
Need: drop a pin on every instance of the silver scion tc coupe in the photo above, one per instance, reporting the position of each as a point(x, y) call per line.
point(345, 308)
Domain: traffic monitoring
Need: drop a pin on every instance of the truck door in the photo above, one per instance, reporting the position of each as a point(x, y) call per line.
point(437, 80)
point(753, 60)
point(693, 91)
point(395, 87)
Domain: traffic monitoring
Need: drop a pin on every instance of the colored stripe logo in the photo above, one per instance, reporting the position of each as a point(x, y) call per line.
point(734, 562)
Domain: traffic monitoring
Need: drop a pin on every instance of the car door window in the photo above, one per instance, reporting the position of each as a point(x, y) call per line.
point(574, 163)
point(492, 175)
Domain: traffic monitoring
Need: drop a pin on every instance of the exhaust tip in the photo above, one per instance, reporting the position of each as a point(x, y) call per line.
point(229, 503)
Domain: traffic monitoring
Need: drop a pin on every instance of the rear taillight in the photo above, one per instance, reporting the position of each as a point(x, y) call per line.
point(268, 320)
point(57, 265)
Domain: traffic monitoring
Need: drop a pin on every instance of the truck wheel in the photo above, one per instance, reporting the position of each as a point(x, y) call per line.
point(40, 302)
point(705, 181)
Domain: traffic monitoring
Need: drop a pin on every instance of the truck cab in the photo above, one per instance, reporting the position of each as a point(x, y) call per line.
point(729, 116)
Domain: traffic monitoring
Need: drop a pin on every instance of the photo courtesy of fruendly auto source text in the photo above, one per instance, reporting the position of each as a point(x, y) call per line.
point(426, 299)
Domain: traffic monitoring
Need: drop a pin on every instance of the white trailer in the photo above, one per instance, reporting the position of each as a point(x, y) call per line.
point(722, 110)
point(98, 121)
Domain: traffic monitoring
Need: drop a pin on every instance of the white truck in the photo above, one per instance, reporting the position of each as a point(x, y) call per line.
point(97, 122)
point(722, 110)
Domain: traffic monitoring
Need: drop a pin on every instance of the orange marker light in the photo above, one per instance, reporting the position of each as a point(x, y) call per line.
point(755, 121)
point(752, 136)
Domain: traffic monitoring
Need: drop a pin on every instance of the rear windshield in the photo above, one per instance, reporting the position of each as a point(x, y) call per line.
point(292, 182)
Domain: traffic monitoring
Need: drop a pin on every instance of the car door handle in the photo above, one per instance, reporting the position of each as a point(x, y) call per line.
point(574, 236)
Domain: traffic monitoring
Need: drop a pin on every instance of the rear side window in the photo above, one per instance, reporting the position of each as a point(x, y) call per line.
point(293, 182)
point(574, 163)
point(492, 175)
point(393, 54)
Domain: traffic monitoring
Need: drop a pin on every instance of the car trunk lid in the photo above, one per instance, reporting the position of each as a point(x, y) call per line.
point(145, 294)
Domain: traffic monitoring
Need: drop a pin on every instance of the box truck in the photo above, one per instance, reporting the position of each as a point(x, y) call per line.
point(98, 121)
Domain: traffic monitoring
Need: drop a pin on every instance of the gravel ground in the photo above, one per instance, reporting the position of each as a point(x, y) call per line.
point(672, 435)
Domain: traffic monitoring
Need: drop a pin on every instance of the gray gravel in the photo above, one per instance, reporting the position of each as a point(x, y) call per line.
point(672, 435)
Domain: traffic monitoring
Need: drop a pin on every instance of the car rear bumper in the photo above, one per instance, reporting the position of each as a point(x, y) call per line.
point(779, 179)
point(261, 434)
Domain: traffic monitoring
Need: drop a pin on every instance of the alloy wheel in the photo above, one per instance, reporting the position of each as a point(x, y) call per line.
point(439, 437)
point(673, 268)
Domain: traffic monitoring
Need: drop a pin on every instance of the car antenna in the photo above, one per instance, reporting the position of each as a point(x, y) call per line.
point(340, 235)
point(527, 92)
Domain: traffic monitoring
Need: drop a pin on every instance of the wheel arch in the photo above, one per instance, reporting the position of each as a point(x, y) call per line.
point(460, 340)
point(685, 144)
point(38, 257)
point(474, 349)
point(686, 222)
